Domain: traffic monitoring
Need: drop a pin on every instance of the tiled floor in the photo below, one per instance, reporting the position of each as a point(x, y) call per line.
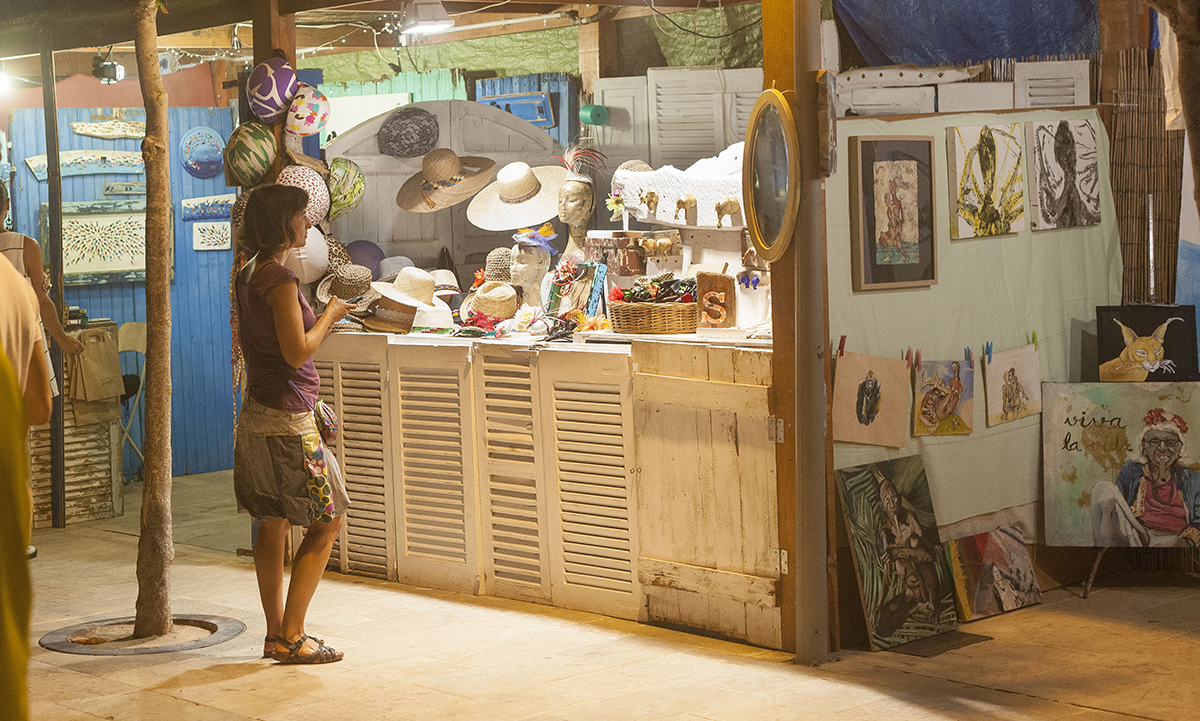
point(418, 654)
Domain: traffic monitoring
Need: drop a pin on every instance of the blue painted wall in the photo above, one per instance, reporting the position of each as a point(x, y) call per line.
point(202, 401)
point(564, 96)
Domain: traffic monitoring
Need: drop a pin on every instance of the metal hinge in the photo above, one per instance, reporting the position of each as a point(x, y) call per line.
point(783, 565)
point(774, 429)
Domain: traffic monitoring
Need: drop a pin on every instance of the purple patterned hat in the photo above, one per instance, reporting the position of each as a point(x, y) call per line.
point(270, 89)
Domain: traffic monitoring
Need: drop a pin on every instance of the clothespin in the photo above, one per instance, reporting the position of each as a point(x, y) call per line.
point(908, 357)
point(918, 360)
point(842, 347)
point(987, 348)
point(1035, 340)
point(970, 356)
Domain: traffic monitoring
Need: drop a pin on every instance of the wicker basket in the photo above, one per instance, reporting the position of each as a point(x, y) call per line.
point(653, 317)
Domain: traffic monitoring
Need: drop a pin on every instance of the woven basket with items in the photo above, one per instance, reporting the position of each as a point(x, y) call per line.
point(662, 304)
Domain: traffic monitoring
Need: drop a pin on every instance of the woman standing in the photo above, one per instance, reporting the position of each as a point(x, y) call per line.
point(282, 473)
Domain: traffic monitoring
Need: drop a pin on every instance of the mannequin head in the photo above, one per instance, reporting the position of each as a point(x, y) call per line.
point(576, 201)
point(529, 265)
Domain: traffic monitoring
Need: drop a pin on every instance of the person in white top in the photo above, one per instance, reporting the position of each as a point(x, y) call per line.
point(26, 256)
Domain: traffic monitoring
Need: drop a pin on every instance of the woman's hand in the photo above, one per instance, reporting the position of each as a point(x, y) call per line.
point(70, 345)
point(337, 309)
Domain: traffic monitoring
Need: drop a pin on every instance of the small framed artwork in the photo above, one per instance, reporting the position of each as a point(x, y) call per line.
point(103, 241)
point(892, 212)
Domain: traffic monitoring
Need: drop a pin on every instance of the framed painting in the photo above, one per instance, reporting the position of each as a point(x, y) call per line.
point(987, 189)
point(905, 582)
point(1117, 467)
point(892, 212)
point(1137, 343)
point(1065, 174)
point(103, 241)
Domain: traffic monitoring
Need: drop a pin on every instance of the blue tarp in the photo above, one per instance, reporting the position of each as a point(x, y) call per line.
point(929, 32)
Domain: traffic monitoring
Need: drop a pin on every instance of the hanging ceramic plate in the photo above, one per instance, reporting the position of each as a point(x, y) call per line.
point(200, 152)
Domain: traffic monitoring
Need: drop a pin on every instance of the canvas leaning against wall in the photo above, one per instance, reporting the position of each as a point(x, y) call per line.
point(986, 188)
point(944, 404)
point(1147, 343)
point(993, 573)
point(872, 397)
point(1118, 464)
point(1065, 174)
point(892, 212)
point(907, 591)
point(1012, 380)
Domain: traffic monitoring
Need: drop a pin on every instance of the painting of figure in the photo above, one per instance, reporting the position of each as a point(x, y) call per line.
point(1138, 343)
point(1118, 469)
point(872, 397)
point(896, 236)
point(905, 582)
point(993, 573)
point(1013, 382)
point(987, 190)
point(945, 400)
point(1066, 175)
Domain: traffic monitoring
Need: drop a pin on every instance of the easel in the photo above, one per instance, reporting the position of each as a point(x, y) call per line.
point(1087, 587)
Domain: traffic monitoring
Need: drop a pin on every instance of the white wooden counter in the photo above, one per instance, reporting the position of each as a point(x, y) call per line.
point(562, 473)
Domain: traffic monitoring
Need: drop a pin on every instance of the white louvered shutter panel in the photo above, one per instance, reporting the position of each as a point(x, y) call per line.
point(1051, 84)
point(593, 520)
point(512, 490)
point(436, 498)
point(326, 371)
point(742, 88)
point(686, 115)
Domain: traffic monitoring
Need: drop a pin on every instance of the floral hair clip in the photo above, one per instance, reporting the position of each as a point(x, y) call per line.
point(1158, 415)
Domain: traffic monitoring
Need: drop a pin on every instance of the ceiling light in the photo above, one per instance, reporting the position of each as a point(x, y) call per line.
point(425, 17)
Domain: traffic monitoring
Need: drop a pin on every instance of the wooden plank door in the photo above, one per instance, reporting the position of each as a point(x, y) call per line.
point(588, 429)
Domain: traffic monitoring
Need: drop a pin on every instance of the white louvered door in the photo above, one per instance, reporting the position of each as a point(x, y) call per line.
point(356, 365)
point(698, 112)
point(511, 477)
point(436, 495)
point(588, 429)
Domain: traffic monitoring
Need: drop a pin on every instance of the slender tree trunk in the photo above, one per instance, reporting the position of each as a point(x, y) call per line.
point(155, 547)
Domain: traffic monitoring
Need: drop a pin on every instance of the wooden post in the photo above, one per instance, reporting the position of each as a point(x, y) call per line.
point(53, 252)
point(271, 32)
point(597, 52)
point(811, 372)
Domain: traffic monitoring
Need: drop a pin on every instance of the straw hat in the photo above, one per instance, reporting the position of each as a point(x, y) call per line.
point(499, 265)
point(436, 316)
point(347, 325)
point(444, 181)
point(412, 286)
point(445, 283)
point(521, 197)
point(391, 316)
point(493, 299)
point(347, 282)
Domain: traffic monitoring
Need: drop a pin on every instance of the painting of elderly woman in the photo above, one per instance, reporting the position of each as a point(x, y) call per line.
point(1119, 471)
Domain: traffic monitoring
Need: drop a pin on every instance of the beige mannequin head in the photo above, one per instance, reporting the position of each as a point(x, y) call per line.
point(576, 201)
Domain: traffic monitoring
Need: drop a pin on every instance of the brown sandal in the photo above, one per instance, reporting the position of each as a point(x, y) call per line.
point(322, 654)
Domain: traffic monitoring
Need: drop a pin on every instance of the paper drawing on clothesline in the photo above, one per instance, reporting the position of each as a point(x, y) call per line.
point(1012, 380)
point(987, 190)
point(1066, 175)
point(1117, 466)
point(905, 582)
point(872, 397)
point(993, 573)
point(944, 403)
point(1147, 343)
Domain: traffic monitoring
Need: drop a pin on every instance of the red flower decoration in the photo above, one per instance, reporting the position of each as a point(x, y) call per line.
point(478, 278)
point(1158, 415)
point(617, 295)
point(687, 298)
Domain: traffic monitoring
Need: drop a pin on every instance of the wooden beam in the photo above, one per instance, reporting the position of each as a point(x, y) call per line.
point(709, 582)
point(273, 31)
point(700, 393)
point(598, 56)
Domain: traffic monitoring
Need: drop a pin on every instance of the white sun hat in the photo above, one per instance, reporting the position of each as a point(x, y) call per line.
point(521, 197)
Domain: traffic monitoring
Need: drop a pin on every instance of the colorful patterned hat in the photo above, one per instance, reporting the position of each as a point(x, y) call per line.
point(270, 89)
point(308, 112)
point(337, 253)
point(346, 186)
point(312, 183)
point(408, 133)
point(249, 153)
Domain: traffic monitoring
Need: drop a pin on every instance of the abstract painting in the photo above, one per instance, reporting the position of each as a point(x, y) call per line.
point(987, 190)
point(891, 216)
point(212, 207)
point(1117, 468)
point(1147, 343)
point(1013, 382)
point(993, 573)
point(872, 397)
point(212, 236)
point(90, 162)
point(201, 152)
point(945, 399)
point(1066, 174)
point(905, 582)
point(104, 241)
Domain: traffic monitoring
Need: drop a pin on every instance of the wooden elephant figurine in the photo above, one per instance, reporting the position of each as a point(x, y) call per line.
point(686, 203)
point(730, 207)
point(649, 198)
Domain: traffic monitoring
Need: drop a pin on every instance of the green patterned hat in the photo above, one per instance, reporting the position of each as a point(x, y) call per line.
point(346, 186)
point(249, 153)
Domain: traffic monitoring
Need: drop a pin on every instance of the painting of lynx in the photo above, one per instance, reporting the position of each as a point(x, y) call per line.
point(1142, 355)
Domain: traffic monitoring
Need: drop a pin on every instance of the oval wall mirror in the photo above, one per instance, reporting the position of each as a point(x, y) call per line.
point(771, 175)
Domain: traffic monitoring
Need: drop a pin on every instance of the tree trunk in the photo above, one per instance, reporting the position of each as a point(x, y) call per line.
point(155, 547)
point(1184, 17)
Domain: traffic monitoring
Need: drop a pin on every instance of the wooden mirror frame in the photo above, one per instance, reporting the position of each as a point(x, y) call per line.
point(772, 98)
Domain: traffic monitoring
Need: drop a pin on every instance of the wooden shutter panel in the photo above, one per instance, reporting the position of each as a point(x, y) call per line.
point(1052, 84)
point(686, 115)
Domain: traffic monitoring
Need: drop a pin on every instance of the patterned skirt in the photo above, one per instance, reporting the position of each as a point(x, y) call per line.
point(282, 469)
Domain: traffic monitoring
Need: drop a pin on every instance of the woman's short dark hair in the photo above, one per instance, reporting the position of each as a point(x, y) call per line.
point(3, 192)
point(267, 227)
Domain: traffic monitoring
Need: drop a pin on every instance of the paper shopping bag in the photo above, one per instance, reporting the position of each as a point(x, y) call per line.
point(101, 370)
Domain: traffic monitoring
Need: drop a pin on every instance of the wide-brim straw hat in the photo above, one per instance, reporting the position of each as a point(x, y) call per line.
point(521, 197)
point(347, 282)
point(444, 180)
point(391, 316)
point(493, 299)
point(412, 286)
